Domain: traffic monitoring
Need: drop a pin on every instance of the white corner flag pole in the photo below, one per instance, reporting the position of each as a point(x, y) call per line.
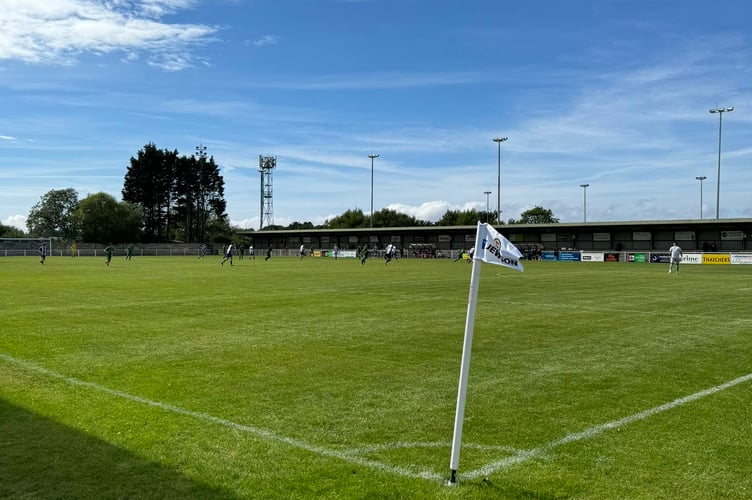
point(494, 248)
point(465, 366)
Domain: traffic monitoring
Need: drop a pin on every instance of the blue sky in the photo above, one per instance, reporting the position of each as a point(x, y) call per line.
point(610, 93)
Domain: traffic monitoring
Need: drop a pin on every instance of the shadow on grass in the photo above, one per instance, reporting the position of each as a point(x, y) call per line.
point(40, 458)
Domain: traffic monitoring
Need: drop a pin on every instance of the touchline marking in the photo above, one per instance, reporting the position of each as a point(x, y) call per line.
point(599, 429)
point(349, 456)
point(262, 433)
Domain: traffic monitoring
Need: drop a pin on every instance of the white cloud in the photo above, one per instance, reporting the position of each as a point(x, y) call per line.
point(18, 221)
point(7, 138)
point(249, 223)
point(432, 210)
point(266, 40)
point(44, 32)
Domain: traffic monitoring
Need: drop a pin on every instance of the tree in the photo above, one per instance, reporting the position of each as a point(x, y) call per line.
point(392, 218)
point(149, 183)
point(53, 214)
point(349, 219)
point(104, 219)
point(180, 196)
point(460, 218)
point(383, 218)
point(301, 225)
point(10, 232)
point(218, 230)
point(199, 194)
point(536, 215)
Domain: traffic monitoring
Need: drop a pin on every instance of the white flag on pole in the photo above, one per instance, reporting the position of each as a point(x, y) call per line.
point(492, 247)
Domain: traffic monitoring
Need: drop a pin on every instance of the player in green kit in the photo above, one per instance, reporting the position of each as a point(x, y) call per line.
point(108, 254)
point(460, 253)
point(129, 252)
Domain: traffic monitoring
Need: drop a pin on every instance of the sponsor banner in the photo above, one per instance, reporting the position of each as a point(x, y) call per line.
point(741, 258)
point(641, 236)
point(637, 257)
point(518, 238)
point(601, 236)
point(548, 237)
point(611, 257)
point(330, 253)
point(592, 257)
point(684, 235)
point(660, 258)
point(444, 238)
point(716, 258)
point(732, 235)
point(569, 256)
point(691, 258)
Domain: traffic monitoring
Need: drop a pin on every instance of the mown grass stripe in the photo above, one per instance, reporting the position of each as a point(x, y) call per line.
point(259, 432)
point(600, 429)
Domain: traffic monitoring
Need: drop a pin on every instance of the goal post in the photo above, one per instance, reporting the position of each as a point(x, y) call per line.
point(24, 247)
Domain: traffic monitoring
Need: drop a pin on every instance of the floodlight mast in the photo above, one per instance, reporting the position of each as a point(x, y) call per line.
point(372, 157)
point(701, 178)
point(201, 156)
point(498, 140)
point(267, 164)
point(584, 201)
point(720, 112)
point(487, 208)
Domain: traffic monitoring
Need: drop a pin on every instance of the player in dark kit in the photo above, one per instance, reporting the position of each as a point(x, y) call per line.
point(108, 254)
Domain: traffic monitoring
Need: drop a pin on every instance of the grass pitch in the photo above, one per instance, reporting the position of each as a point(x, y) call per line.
point(173, 377)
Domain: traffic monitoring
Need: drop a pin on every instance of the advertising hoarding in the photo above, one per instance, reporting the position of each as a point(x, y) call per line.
point(592, 257)
point(716, 258)
point(637, 257)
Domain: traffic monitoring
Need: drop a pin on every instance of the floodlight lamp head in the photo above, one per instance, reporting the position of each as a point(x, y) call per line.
point(500, 139)
point(730, 109)
point(373, 156)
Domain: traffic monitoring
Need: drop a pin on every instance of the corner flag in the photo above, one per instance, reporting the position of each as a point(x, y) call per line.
point(494, 248)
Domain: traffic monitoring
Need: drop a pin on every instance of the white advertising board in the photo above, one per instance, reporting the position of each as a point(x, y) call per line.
point(592, 257)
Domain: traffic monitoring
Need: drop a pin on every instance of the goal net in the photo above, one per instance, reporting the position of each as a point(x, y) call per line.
point(24, 247)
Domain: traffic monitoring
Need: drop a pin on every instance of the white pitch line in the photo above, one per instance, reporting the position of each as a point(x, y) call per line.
point(262, 433)
point(599, 429)
point(347, 456)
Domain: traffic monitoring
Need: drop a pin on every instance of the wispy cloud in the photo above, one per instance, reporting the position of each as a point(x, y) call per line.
point(266, 40)
point(44, 32)
point(379, 80)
